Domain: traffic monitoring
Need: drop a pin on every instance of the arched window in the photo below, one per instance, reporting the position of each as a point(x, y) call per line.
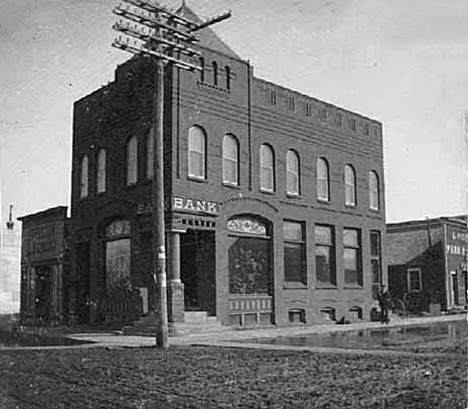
point(84, 177)
point(374, 202)
point(150, 154)
point(101, 171)
point(230, 160)
point(323, 180)
point(350, 186)
point(202, 71)
point(267, 168)
point(228, 77)
point(196, 152)
point(132, 161)
point(292, 173)
point(215, 73)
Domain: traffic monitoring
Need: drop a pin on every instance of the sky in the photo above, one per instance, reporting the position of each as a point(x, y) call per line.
point(404, 63)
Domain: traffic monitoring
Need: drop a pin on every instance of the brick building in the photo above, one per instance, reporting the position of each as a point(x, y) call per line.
point(45, 279)
point(427, 263)
point(275, 207)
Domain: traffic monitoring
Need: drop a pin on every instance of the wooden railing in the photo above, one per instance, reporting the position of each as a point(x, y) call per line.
point(119, 309)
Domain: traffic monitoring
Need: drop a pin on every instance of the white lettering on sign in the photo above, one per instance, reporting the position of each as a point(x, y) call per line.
point(246, 225)
point(194, 205)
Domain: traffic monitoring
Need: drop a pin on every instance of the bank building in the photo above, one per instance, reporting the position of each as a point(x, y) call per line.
point(275, 202)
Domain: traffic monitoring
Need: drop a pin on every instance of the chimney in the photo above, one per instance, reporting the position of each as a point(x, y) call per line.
point(10, 223)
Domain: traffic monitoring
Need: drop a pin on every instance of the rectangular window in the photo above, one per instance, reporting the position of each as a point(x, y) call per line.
point(325, 254)
point(375, 257)
point(295, 269)
point(308, 109)
point(352, 256)
point(414, 280)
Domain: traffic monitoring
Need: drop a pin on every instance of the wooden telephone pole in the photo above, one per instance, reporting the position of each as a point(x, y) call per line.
point(159, 33)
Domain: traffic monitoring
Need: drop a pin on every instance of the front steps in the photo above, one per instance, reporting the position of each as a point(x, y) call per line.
point(196, 322)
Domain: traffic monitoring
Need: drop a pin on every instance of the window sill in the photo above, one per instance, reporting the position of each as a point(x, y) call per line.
point(353, 287)
point(267, 192)
point(292, 285)
point(231, 185)
point(325, 287)
point(293, 196)
point(197, 179)
point(377, 211)
point(350, 206)
point(324, 201)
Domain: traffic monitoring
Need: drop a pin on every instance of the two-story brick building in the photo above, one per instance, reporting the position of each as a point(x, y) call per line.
point(275, 201)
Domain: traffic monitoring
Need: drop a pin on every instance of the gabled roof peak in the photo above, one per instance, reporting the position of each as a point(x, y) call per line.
point(208, 38)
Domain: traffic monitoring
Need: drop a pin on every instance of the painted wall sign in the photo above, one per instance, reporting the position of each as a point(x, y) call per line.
point(194, 205)
point(247, 225)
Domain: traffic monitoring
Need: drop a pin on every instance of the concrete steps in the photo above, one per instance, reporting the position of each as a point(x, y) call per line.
point(196, 322)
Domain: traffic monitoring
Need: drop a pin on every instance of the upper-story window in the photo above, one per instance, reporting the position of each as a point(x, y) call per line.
point(267, 168)
point(323, 180)
point(150, 155)
point(374, 202)
point(202, 71)
point(215, 73)
point(132, 160)
point(350, 186)
point(230, 160)
point(227, 71)
point(84, 177)
point(292, 173)
point(101, 171)
point(196, 152)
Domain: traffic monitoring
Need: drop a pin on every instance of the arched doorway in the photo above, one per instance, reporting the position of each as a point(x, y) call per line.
point(250, 270)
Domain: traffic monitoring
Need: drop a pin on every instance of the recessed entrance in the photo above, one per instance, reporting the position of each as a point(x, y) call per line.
point(197, 268)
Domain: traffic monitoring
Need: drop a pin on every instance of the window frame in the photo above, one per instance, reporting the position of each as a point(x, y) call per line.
point(84, 177)
point(101, 173)
point(321, 179)
point(376, 257)
point(350, 186)
point(295, 190)
point(150, 155)
point(267, 167)
point(214, 66)
point(191, 174)
point(357, 248)
point(295, 243)
point(331, 247)
point(132, 161)
point(374, 190)
point(235, 160)
point(408, 278)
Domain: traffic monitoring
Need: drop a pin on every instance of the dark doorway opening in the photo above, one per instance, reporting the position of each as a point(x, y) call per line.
point(82, 291)
point(43, 294)
point(198, 269)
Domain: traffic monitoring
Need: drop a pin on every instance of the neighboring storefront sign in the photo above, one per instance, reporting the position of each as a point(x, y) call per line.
point(247, 225)
point(182, 204)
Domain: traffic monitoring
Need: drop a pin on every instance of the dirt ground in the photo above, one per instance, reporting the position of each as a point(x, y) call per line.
point(210, 377)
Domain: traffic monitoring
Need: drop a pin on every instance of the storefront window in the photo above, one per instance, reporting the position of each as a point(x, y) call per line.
point(294, 252)
point(325, 255)
point(117, 253)
point(249, 257)
point(352, 256)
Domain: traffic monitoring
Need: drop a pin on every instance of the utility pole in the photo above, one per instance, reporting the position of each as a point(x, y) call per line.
point(166, 37)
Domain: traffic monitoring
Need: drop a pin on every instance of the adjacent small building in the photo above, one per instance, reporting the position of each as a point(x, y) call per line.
point(427, 263)
point(44, 257)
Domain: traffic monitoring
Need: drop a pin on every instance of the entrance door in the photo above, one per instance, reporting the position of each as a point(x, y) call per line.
point(83, 301)
point(43, 294)
point(197, 268)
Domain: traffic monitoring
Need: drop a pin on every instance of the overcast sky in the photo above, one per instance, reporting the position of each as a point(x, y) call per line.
point(402, 62)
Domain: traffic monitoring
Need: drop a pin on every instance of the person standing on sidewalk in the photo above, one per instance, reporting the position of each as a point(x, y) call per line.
point(384, 303)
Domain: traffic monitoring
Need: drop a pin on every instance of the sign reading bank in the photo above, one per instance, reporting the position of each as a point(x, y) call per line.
point(182, 204)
